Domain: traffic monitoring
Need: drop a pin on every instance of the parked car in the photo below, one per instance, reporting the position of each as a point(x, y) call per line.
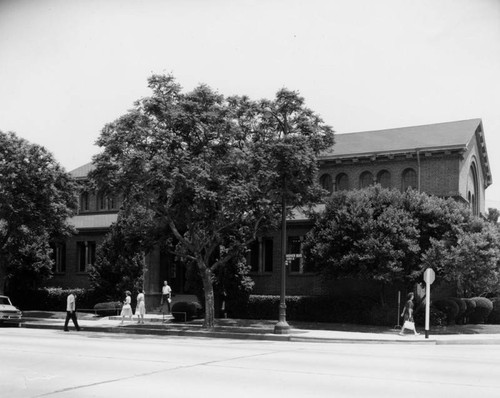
point(8, 312)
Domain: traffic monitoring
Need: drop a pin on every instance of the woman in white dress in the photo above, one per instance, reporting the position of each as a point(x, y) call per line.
point(140, 310)
point(127, 308)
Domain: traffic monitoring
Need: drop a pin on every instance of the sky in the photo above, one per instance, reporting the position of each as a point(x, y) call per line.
point(68, 67)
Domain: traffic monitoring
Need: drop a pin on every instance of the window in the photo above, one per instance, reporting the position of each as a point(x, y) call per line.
point(86, 255)
point(84, 201)
point(296, 264)
point(260, 257)
point(365, 179)
point(409, 180)
point(326, 182)
point(58, 257)
point(112, 203)
point(473, 189)
point(384, 179)
point(342, 182)
point(101, 201)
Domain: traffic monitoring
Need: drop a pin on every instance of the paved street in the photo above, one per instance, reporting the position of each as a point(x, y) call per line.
point(51, 363)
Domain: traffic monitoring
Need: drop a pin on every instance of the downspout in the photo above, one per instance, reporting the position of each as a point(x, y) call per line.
point(418, 170)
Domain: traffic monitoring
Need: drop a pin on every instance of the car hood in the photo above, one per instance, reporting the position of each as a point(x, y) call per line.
point(7, 307)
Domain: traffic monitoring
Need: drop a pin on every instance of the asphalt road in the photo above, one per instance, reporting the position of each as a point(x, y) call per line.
point(52, 363)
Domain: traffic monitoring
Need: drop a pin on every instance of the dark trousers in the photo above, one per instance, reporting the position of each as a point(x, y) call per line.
point(72, 315)
point(164, 301)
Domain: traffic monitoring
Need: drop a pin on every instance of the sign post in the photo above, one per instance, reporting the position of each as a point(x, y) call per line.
point(429, 276)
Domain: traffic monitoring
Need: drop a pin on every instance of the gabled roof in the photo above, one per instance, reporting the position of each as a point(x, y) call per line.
point(448, 135)
point(427, 138)
point(82, 171)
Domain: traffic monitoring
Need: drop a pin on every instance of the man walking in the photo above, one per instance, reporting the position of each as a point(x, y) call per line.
point(71, 312)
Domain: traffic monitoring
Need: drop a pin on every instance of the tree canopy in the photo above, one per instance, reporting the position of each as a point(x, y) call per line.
point(212, 169)
point(37, 197)
point(391, 237)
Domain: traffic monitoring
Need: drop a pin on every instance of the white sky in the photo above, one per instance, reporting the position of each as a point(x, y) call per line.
point(68, 67)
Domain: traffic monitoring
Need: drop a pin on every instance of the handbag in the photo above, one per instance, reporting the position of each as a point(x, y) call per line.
point(409, 325)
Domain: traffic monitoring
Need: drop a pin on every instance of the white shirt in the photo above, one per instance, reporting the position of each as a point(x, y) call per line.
point(71, 303)
point(166, 290)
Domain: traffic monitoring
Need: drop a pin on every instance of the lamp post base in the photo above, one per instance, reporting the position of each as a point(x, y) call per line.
point(282, 327)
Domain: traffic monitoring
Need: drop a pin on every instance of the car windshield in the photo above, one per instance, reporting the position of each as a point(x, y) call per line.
point(4, 301)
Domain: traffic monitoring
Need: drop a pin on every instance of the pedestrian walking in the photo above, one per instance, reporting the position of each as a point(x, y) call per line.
point(127, 308)
point(407, 314)
point(166, 295)
point(140, 309)
point(71, 312)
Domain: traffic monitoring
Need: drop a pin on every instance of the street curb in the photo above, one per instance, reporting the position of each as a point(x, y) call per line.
point(164, 332)
point(176, 332)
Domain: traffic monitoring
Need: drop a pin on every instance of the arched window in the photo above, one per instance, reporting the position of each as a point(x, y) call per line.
point(473, 189)
point(409, 180)
point(326, 182)
point(342, 182)
point(384, 179)
point(84, 201)
point(365, 179)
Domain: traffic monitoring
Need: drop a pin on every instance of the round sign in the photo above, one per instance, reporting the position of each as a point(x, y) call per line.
point(429, 276)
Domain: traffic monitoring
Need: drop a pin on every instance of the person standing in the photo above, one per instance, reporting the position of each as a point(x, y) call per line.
point(166, 294)
point(407, 314)
point(140, 310)
point(127, 308)
point(71, 312)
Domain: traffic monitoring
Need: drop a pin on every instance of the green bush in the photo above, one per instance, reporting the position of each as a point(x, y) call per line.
point(471, 307)
point(436, 317)
point(494, 316)
point(192, 310)
point(483, 309)
point(309, 309)
point(448, 307)
point(383, 315)
point(54, 299)
point(109, 308)
point(462, 308)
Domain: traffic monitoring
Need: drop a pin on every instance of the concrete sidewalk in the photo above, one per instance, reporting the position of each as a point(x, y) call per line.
point(156, 324)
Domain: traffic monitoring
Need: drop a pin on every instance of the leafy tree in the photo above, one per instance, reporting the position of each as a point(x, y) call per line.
point(389, 236)
point(37, 197)
point(119, 264)
point(493, 215)
point(471, 262)
point(212, 169)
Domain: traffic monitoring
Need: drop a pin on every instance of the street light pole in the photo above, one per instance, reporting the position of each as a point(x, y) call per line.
point(282, 326)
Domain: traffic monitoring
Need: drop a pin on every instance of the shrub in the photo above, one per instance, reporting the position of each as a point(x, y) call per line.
point(436, 317)
point(192, 309)
point(310, 308)
point(471, 307)
point(494, 316)
point(383, 315)
point(449, 308)
point(462, 308)
point(483, 308)
point(54, 299)
point(108, 309)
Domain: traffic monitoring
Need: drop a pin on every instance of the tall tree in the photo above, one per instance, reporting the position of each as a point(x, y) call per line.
point(212, 168)
point(37, 197)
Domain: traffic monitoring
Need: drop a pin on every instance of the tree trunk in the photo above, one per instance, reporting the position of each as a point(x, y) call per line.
point(3, 277)
point(208, 288)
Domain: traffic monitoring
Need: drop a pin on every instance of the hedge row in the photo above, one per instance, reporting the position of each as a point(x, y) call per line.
point(465, 310)
point(359, 310)
point(54, 299)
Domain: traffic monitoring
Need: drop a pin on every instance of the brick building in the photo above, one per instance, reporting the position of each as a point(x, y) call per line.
point(445, 159)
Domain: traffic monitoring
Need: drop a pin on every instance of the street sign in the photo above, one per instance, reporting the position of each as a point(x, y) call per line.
point(293, 256)
point(429, 276)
